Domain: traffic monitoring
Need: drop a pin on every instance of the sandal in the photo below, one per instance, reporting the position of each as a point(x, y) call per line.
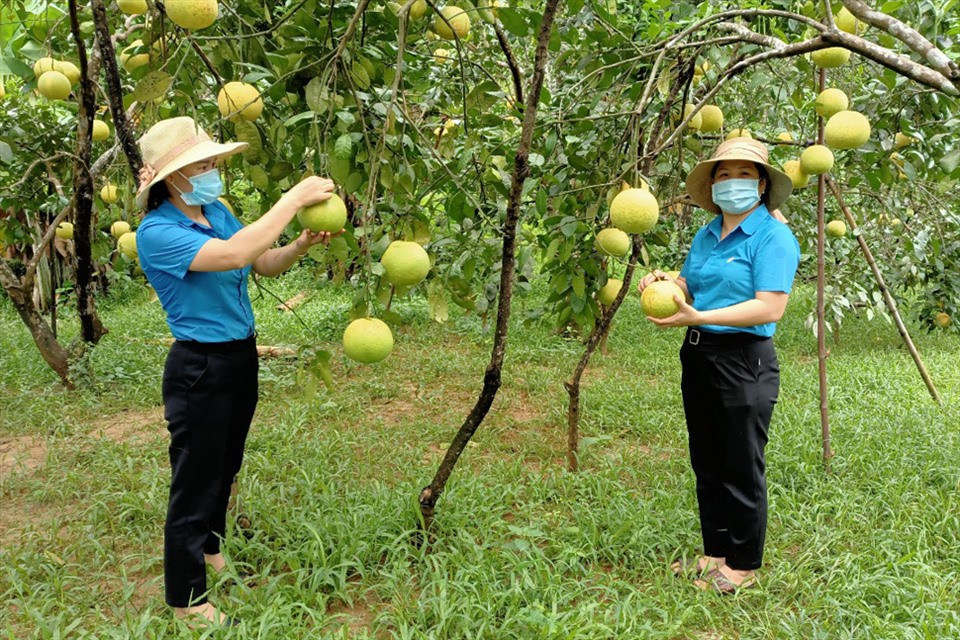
point(714, 580)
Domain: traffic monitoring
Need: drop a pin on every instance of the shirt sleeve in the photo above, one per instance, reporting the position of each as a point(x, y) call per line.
point(776, 261)
point(169, 247)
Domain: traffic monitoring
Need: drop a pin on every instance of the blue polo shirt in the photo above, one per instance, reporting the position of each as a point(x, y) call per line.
point(761, 254)
point(202, 306)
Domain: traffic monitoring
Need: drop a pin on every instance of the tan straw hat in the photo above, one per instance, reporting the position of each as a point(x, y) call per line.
point(700, 180)
point(172, 144)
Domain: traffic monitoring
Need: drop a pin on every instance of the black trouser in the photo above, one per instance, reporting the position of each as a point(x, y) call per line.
point(209, 396)
point(730, 384)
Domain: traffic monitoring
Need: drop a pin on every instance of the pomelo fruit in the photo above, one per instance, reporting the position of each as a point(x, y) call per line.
point(367, 340)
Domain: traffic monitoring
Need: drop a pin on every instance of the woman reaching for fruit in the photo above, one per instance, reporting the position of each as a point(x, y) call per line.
point(197, 257)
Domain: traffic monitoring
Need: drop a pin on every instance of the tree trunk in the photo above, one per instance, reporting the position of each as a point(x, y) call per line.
point(91, 328)
point(492, 378)
point(51, 350)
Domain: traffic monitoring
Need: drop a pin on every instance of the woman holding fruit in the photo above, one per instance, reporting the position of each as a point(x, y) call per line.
point(736, 279)
point(197, 257)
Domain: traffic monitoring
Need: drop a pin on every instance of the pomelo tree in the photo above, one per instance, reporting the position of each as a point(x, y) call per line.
point(495, 137)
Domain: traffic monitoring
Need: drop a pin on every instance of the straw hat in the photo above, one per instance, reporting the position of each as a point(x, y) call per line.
point(700, 180)
point(172, 144)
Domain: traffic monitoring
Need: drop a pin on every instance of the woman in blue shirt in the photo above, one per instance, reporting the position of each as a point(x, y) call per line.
point(197, 256)
point(737, 279)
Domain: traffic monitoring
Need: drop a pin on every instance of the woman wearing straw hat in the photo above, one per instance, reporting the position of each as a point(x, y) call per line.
point(737, 278)
point(197, 256)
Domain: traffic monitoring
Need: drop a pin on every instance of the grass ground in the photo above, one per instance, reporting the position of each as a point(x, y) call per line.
point(524, 549)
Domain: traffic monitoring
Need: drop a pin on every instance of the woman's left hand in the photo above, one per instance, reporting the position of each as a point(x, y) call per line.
point(685, 316)
point(309, 238)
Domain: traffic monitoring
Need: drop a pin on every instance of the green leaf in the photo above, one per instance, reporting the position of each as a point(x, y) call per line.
point(950, 161)
point(152, 86)
point(513, 22)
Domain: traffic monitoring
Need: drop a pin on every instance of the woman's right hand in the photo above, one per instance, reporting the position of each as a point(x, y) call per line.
point(311, 190)
point(650, 278)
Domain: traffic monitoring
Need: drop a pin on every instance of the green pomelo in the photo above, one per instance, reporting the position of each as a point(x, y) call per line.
point(329, 215)
point(367, 340)
point(405, 263)
point(634, 211)
point(612, 242)
point(658, 300)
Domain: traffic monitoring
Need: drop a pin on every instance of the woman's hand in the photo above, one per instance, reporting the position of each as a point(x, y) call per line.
point(310, 190)
point(652, 277)
point(685, 316)
point(309, 238)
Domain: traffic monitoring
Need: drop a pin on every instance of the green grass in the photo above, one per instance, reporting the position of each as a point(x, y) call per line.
point(523, 548)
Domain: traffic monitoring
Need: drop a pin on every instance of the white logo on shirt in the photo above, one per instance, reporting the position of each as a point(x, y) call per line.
point(731, 259)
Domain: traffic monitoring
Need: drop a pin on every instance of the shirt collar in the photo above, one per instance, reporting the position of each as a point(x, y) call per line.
point(749, 225)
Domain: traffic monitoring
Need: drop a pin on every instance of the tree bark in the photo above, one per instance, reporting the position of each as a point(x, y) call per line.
point(91, 328)
point(492, 377)
point(108, 56)
point(822, 353)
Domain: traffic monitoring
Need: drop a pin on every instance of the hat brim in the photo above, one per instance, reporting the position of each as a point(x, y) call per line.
point(196, 153)
point(699, 183)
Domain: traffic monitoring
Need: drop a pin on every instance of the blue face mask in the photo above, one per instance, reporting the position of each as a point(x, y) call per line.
point(207, 187)
point(737, 195)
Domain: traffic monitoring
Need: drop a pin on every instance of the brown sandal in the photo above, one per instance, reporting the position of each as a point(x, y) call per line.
point(714, 580)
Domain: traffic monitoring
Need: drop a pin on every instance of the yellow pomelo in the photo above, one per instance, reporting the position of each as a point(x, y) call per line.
point(418, 9)
point(846, 130)
point(816, 159)
point(739, 133)
point(109, 193)
point(831, 101)
point(608, 292)
point(848, 22)
point(54, 86)
point(405, 263)
point(799, 178)
point(65, 231)
point(634, 211)
point(192, 14)
point(127, 244)
point(240, 100)
point(3, 89)
point(711, 118)
point(836, 229)
point(119, 228)
point(786, 136)
point(901, 140)
point(443, 56)
point(329, 215)
point(831, 57)
point(458, 19)
point(895, 223)
point(131, 61)
point(101, 131)
point(673, 274)
point(697, 121)
point(68, 69)
point(43, 65)
point(367, 340)
point(658, 301)
point(612, 242)
point(942, 320)
point(132, 7)
point(229, 206)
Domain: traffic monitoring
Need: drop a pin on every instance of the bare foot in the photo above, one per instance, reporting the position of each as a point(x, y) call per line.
point(200, 616)
point(217, 561)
